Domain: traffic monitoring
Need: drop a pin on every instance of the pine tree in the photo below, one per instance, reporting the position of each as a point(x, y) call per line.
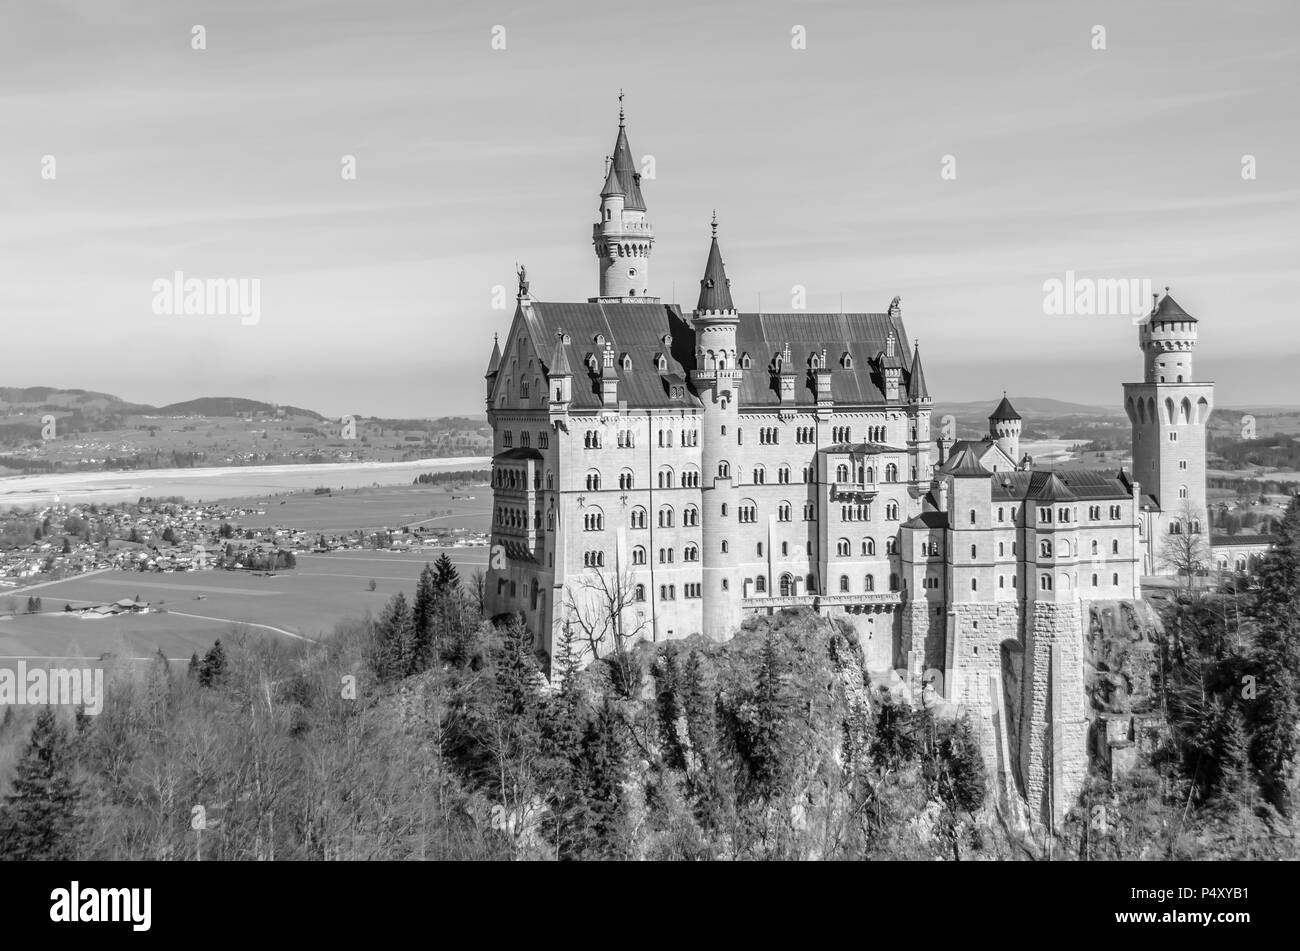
point(212, 670)
point(423, 616)
point(1276, 712)
point(770, 746)
point(605, 771)
point(448, 578)
point(40, 818)
point(668, 706)
point(393, 644)
point(704, 773)
point(193, 670)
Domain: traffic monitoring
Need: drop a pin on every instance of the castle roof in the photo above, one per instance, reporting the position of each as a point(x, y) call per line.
point(629, 179)
point(494, 362)
point(916, 388)
point(931, 519)
point(715, 289)
point(1084, 485)
point(612, 187)
point(1167, 308)
point(854, 381)
point(637, 329)
point(964, 464)
point(861, 448)
point(559, 365)
point(1005, 411)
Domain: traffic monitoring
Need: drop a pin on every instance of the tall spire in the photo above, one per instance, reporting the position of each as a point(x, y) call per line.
point(494, 362)
point(715, 289)
point(628, 177)
point(916, 388)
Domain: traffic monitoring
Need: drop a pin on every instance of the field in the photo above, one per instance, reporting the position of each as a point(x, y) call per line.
point(371, 508)
point(189, 610)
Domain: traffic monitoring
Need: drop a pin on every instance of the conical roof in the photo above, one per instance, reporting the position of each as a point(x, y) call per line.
point(494, 362)
point(916, 388)
point(1005, 410)
point(629, 179)
point(715, 289)
point(612, 187)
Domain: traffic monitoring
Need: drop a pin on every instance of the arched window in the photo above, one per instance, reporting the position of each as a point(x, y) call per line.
point(666, 517)
point(725, 547)
point(638, 555)
point(593, 481)
point(891, 546)
point(760, 584)
point(842, 547)
point(868, 546)
point(1114, 578)
point(844, 584)
point(1114, 546)
point(691, 553)
point(841, 473)
point(638, 517)
point(891, 473)
point(1045, 582)
point(786, 585)
point(724, 470)
point(891, 511)
point(690, 516)
point(869, 583)
point(639, 594)
point(626, 480)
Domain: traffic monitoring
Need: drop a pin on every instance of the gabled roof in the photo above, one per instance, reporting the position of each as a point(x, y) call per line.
point(715, 289)
point(1005, 410)
point(629, 179)
point(637, 329)
point(927, 520)
point(1050, 488)
point(861, 335)
point(1167, 308)
point(916, 388)
point(1085, 485)
point(964, 464)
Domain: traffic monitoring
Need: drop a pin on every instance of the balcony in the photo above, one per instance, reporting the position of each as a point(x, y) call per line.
point(867, 598)
point(853, 491)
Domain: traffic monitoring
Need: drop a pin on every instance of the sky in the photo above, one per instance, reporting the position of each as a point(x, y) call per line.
point(825, 165)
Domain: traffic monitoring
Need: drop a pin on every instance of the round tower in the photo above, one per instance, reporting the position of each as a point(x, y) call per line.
point(623, 237)
point(716, 379)
point(1168, 339)
point(1004, 427)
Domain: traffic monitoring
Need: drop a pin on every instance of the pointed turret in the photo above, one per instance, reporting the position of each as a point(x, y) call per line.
point(715, 289)
point(916, 388)
point(1005, 410)
point(623, 237)
point(494, 365)
point(612, 187)
point(559, 377)
point(624, 167)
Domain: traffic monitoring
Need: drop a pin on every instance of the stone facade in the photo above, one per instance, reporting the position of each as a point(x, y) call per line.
point(676, 471)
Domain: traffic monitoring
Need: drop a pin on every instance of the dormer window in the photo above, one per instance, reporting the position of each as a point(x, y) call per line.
point(744, 361)
point(590, 360)
point(625, 362)
point(600, 341)
point(814, 362)
point(661, 364)
point(846, 361)
point(667, 340)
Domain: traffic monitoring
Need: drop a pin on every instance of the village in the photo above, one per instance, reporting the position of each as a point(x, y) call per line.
point(61, 541)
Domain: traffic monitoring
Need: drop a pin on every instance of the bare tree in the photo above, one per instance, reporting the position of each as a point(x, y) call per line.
point(1185, 552)
point(605, 618)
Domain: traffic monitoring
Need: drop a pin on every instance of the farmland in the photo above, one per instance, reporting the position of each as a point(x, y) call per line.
point(192, 609)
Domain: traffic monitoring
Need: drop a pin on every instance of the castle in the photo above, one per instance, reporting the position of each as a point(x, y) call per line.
point(658, 474)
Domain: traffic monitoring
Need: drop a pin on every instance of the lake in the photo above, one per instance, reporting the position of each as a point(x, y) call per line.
point(228, 482)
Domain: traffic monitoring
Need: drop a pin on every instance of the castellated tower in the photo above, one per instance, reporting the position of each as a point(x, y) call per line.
point(1004, 427)
point(623, 237)
point(1168, 411)
point(716, 380)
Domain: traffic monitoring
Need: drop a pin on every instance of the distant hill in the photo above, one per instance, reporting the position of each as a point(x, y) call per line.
point(223, 406)
point(1028, 406)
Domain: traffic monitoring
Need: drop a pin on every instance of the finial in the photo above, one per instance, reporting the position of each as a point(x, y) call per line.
point(1166, 290)
point(715, 222)
point(620, 108)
